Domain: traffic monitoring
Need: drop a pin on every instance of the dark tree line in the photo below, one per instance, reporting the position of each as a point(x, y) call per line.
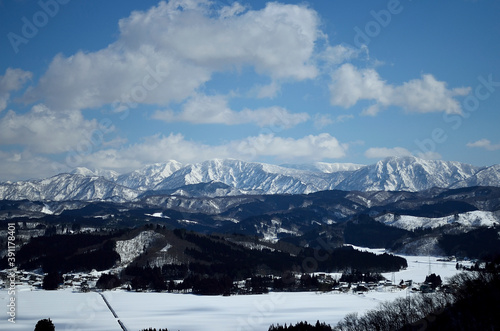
point(357, 276)
point(301, 326)
point(68, 252)
point(108, 282)
point(482, 243)
point(146, 278)
point(344, 258)
point(365, 231)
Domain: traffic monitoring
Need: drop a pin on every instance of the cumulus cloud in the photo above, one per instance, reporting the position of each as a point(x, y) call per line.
point(268, 91)
point(152, 149)
point(338, 54)
point(12, 80)
point(485, 144)
point(17, 165)
point(350, 85)
point(383, 152)
point(430, 155)
point(43, 130)
point(322, 146)
point(203, 109)
point(322, 120)
point(159, 148)
point(166, 53)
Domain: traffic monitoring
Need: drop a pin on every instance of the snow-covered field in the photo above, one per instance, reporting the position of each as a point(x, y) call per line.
point(418, 266)
point(186, 312)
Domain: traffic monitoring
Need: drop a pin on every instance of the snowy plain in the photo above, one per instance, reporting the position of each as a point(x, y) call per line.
point(70, 310)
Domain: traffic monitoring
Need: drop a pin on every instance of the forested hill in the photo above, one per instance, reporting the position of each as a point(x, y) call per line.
point(152, 256)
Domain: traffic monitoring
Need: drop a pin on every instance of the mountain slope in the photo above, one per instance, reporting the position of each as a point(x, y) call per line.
point(470, 219)
point(485, 177)
point(67, 187)
point(325, 167)
point(407, 174)
point(240, 177)
point(249, 176)
point(149, 176)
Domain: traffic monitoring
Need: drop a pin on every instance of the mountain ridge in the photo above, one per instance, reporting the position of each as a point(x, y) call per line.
point(391, 174)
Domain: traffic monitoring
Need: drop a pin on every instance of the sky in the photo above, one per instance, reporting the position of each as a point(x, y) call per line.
point(117, 85)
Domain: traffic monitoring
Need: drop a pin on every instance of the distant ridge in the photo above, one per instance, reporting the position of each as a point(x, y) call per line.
point(408, 174)
point(391, 174)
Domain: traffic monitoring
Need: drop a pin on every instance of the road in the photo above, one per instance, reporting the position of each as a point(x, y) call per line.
point(113, 312)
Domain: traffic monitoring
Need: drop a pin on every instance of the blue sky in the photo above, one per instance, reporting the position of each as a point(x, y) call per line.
point(121, 84)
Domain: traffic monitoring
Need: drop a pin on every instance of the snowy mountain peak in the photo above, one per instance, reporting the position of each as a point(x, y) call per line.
point(67, 187)
point(486, 177)
point(82, 171)
point(407, 173)
point(149, 176)
point(248, 176)
point(391, 174)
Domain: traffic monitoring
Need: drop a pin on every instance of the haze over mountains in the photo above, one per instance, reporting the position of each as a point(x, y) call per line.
point(222, 177)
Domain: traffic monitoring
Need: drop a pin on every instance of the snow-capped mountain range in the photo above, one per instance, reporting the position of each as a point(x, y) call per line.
point(232, 177)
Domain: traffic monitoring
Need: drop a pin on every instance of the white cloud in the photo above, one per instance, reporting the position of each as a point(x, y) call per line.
point(383, 152)
point(45, 131)
point(428, 155)
point(268, 91)
point(350, 85)
point(166, 53)
point(159, 148)
point(322, 146)
point(15, 165)
point(485, 144)
point(322, 120)
point(153, 149)
point(203, 109)
point(12, 80)
point(338, 54)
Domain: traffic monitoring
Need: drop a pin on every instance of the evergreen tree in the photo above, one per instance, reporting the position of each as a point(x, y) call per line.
point(108, 282)
point(45, 325)
point(51, 281)
point(434, 280)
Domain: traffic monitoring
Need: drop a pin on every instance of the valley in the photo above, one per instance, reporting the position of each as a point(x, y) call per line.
point(241, 235)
